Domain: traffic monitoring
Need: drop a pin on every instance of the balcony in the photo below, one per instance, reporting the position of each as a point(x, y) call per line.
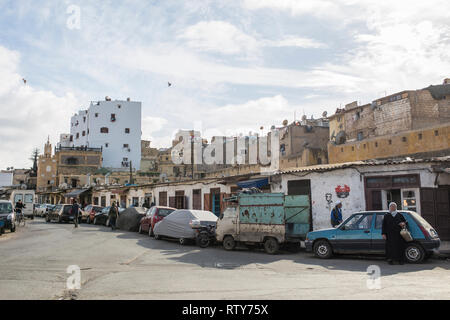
point(57, 149)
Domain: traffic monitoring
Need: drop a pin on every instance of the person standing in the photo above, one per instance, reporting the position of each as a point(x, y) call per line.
point(113, 215)
point(75, 211)
point(393, 222)
point(336, 214)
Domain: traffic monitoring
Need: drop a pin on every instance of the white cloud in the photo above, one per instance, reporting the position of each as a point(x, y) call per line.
point(150, 125)
point(292, 41)
point(224, 38)
point(218, 36)
point(27, 114)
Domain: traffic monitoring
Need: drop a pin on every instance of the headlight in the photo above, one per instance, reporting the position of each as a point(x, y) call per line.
point(10, 216)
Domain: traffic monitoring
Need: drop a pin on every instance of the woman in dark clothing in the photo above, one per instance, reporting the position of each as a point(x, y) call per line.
point(393, 222)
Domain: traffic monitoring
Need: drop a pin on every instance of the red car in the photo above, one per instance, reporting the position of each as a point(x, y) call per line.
point(92, 210)
point(152, 217)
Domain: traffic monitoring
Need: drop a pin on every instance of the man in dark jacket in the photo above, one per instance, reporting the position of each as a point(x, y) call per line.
point(336, 214)
point(75, 210)
point(113, 215)
point(393, 222)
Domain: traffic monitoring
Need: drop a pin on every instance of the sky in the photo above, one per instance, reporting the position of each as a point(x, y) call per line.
point(235, 66)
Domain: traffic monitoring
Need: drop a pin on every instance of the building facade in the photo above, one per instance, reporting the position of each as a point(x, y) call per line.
point(408, 123)
point(113, 126)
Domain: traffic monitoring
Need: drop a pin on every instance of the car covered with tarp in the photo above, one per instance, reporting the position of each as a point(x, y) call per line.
point(177, 225)
point(130, 218)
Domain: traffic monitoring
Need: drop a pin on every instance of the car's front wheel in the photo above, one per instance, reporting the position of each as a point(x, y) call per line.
point(140, 229)
point(323, 249)
point(95, 221)
point(414, 253)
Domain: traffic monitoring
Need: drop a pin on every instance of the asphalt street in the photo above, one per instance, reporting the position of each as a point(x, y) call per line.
point(126, 265)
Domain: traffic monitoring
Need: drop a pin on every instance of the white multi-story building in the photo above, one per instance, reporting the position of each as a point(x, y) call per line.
point(114, 126)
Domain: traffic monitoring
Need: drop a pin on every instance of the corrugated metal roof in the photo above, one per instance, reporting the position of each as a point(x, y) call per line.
point(335, 166)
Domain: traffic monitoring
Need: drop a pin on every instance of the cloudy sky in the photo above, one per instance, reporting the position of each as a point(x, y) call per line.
point(234, 65)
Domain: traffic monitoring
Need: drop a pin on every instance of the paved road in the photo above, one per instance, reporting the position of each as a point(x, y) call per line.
point(125, 265)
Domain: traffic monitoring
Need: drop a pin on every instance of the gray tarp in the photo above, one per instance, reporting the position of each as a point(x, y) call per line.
point(130, 218)
point(176, 224)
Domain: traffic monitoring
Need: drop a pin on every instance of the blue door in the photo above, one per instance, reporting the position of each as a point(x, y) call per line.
point(378, 244)
point(354, 235)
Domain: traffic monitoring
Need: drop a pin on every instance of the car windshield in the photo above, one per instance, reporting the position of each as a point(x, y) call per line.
point(6, 207)
point(67, 209)
point(165, 212)
point(97, 209)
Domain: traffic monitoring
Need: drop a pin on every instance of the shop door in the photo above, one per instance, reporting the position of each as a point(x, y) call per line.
point(435, 209)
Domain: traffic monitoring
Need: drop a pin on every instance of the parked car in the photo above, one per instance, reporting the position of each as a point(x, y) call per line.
point(92, 210)
point(102, 216)
point(152, 217)
point(61, 213)
point(361, 233)
point(177, 225)
point(39, 210)
point(7, 215)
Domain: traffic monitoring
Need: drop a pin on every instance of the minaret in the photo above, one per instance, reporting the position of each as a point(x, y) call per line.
point(48, 149)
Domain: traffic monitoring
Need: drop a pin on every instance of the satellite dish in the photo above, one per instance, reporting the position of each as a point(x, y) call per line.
point(324, 114)
point(285, 122)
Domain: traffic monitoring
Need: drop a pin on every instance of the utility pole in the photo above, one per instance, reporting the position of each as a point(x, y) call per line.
point(131, 172)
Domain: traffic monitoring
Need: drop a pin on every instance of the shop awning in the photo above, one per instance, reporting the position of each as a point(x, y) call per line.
point(254, 183)
point(75, 193)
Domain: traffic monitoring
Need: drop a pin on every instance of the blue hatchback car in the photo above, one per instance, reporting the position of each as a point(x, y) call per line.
point(361, 234)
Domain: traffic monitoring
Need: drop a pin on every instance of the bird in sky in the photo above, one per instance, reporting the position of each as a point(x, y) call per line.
point(24, 80)
point(169, 84)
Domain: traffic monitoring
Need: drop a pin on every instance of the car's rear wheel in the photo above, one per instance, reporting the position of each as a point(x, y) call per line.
point(95, 221)
point(229, 243)
point(150, 232)
point(107, 223)
point(323, 249)
point(182, 241)
point(414, 253)
point(140, 229)
point(271, 245)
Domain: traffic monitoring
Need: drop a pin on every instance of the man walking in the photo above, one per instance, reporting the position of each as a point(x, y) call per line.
point(393, 222)
point(336, 214)
point(75, 210)
point(113, 215)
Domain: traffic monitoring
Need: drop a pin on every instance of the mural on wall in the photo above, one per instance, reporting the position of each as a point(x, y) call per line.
point(342, 191)
point(329, 200)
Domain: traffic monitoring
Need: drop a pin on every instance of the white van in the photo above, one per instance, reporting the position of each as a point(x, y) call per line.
point(27, 197)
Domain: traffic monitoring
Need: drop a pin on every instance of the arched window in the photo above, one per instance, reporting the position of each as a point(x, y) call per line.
point(104, 130)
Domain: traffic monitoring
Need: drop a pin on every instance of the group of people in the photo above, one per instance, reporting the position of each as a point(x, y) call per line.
point(113, 214)
point(393, 223)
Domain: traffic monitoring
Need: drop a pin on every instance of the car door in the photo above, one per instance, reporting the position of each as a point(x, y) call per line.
point(354, 235)
point(378, 243)
point(146, 222)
